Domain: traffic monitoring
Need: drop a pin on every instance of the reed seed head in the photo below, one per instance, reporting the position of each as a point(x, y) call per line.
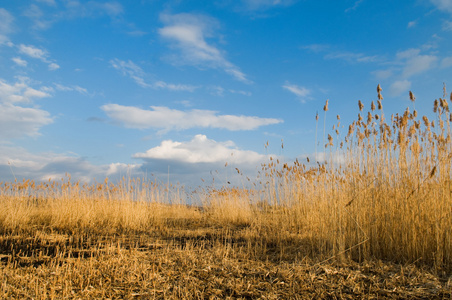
point(412, 98)
point(379, 89)
point(380, 106)
point(325, 108)
point(369, 118)
point(426, 121)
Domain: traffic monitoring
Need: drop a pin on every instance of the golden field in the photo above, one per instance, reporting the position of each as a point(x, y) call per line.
point(374, 221)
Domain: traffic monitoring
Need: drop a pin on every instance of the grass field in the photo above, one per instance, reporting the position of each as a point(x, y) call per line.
point(374, 221)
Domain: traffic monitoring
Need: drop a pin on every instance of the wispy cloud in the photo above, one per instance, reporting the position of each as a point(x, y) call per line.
point(412, 24)
point(444, 5)
point(244, 93)
point(446, 62)
point(351, 57)
point(399, 87)
point(74, 88)
point(135, 72)
point(266, 4)
point(447, 25)
point(414, 62)
point(383, 74)
point(130, 69)
point(19, 61)
point(164, 118)
point(355, 5)
point(6, 22)
point(38, 53)
point(48, 2)
point(73, 9)
point(316, 47)
point(300, 91)
point(187, 33)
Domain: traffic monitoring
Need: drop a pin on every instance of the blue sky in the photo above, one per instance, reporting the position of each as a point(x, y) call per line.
point(132, 88)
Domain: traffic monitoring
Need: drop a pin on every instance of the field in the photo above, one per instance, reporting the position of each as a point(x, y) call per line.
point(374, 221)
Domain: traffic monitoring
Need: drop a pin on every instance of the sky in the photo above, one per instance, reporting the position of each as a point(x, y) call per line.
point(192, 90)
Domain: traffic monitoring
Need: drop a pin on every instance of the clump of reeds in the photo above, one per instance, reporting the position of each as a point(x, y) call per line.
point(385, 193)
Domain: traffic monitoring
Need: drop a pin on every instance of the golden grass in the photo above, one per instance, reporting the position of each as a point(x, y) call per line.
point(374, 220)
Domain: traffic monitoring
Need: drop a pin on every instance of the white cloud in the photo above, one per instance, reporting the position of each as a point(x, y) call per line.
point(135, 72)
point(201, 150)
point(188, 33)
point(33, 52)
point(172, 119)
point(399, 87)
point(40, 54)
point(53, 66)
point(19, 92)
point(299, 91)
point(6, 21)
point(19, 61)
point(17, 121)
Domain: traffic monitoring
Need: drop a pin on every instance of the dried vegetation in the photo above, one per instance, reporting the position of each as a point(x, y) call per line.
point(373, 221)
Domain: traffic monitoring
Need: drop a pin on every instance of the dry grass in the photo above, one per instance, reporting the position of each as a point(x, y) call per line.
point(376, 225)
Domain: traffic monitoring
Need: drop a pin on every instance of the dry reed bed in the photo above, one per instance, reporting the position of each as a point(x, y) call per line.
point(383, 194)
